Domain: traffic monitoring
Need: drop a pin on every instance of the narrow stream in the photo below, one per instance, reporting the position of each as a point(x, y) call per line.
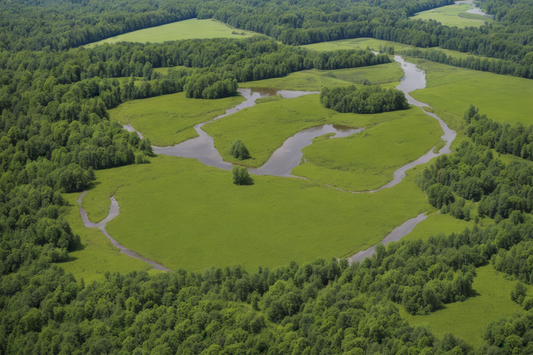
point(289, 155)
point(113, 212)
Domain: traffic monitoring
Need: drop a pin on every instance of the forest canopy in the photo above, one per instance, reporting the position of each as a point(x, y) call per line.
point(363, 99)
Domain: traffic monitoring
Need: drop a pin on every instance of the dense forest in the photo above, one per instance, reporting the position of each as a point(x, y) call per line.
point(55, 132)
point(365, 99)
point(61, 24)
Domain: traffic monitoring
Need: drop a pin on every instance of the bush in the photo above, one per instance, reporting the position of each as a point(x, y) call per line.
point(239, 151)
point(241, 176)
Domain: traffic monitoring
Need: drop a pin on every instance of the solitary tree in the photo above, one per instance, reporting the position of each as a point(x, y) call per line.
point(241, 176)
point(239, 151)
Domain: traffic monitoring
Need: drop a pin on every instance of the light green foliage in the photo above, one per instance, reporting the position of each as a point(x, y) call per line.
point(367, 160)
point(98, 255)
point(314, 79)
point(453, 15)
point(169, 119)
point(451, 90)
point(168, 213)
point(266, 126)
point(187, 29)
point(468, 319)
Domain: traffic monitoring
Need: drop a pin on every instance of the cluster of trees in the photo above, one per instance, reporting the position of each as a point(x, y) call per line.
point(373, 99)
point(504, 138)
point(497, 66)
point(474, 174)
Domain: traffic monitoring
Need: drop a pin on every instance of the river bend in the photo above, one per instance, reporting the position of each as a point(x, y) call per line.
point(289, 155)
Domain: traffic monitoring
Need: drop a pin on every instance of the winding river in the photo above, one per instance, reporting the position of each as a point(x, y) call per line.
point(289, 155)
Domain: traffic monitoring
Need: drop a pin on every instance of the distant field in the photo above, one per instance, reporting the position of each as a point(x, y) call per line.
point(367, 160)
point(451, 90)
point(453, 15)
point(374, 44)
point(169, 119)
point(311, 80)
point(264, 127)
point(468, 319)
point(98, 255)
point(187, 29)
point(184, 214)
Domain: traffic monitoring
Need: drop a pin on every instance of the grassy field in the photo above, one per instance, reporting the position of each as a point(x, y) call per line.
point(264, 127)
point(453, 15)
point(438, 223)
point(374, 44)
point(98, 255)
point(169, 119)
point(311, 80)
point(367, 160)
point(186, 215)
point(468, 319)
point(187, 29)
point(451, 90)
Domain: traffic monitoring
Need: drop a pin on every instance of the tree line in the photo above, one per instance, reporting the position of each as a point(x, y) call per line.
point(365, 99)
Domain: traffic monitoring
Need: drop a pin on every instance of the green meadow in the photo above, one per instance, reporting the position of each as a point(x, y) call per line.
point(451, 90)
point(437, 223)
point(97, 255)
point(169, 119)
point(374, 44)
point(184, 214)
point(469, 319)
point(367, 160)
point(187, 29)
point(312, 80)
point(453, 15)
point(264, 127)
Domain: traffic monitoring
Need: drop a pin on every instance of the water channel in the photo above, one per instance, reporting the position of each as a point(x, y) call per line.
point(289, 155)
point(474, 10)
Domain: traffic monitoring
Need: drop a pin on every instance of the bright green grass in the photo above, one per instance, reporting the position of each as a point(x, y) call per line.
point(438, 223)
point(469, 319)
point(451, 90)
point(311, 80)
point(264, 127)
point(98, 255)
point(374, 44)
point(182, 213)
point(453, 15)
point(169, 119)
point(367, 160)
point(187, 29)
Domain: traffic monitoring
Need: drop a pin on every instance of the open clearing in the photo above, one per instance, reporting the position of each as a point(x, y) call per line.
point(374, 44)
point(184, 214)
point(186, 29)
point(367, 160)
point(313, 80)
point(451, 90)
point(169, 119)
point(469, 319)
point(453, 15)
